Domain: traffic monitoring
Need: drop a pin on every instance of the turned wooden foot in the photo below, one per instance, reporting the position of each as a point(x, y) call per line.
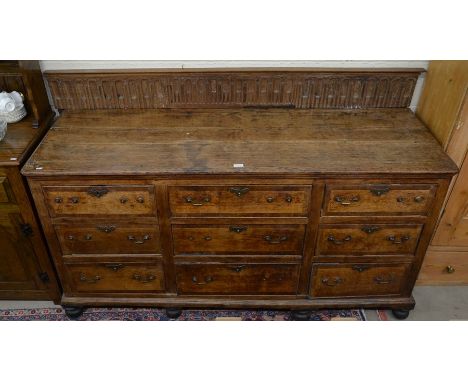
point(73, 312)
point(300, 315)
point(173, 313)
point(400, 314)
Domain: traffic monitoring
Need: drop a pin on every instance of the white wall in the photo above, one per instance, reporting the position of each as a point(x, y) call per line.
point(73, 65)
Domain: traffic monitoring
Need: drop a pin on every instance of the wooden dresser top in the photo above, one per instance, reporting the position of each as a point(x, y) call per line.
point(19, 141)
point(266, 141)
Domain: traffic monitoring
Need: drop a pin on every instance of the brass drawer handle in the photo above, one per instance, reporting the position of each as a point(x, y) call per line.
point(347, 201)
point(450, 269)
point(271, 240)
point(143, 279)
point(239, 191)
point(394, 239)
point(417, 199)
point(114, 267)
point(332, 282)
point(384, 280)
point(139, 241)
point(88, 237)
point(71, 237)
point(360, 268)
point(123, 199)
point(237, 229)
point(287, 199)
point(140, 199)
point(106, 228)
point(197, 203)
point(208, 279)
point(370, 229)
point(93, 280)
point(97, 192)
point(75, 200)
point(379, 191)
point(339, 242)
point(207, 238)
point(58, 200)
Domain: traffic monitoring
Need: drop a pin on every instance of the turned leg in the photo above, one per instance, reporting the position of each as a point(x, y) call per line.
point(300, 315)
point(400, 314)
point(173, 313)
point(73, 312)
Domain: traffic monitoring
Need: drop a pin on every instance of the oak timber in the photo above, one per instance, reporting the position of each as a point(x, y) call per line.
point(272, 141)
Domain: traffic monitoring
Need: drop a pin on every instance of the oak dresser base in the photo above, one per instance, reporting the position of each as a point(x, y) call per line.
point(240, 208)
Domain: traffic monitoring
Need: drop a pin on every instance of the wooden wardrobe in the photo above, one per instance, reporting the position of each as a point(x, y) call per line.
point(444, 109)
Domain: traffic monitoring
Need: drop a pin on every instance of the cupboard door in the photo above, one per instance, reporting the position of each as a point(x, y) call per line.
point(453, 226)
point(16, 255)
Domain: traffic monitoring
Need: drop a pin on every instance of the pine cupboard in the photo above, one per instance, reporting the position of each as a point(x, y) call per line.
point(444, 108)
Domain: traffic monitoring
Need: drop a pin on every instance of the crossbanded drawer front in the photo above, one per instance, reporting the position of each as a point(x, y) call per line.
point(239, 200)
point(354, 280)
point(368, 239)
point(100, 200)
point(238, 238)
point(388, 199)
point(111, 238)
point(115, 277)
point(237, 279)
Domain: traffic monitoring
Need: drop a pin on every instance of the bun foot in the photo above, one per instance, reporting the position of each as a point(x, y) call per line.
point(300, 315)
point(73, 312)
point(400, 314)
point(173, 313)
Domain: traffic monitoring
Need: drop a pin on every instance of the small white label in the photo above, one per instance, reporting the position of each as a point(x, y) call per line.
point(38, 168)
point(238, 165)
point(13, 158)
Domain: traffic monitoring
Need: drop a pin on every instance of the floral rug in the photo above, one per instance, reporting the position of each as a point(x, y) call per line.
point(152, 314)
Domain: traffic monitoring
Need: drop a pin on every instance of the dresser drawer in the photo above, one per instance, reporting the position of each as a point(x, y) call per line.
point(106, 239)
point(116, 277)
point(367, 239)
point(248, 238)
point(249, 279)
point(239, 200)
point(99, 200)
point(444, 267)
point(389, 199)
point(348, 280)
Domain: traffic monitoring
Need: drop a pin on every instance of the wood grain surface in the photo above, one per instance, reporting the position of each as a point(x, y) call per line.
point(181, 142)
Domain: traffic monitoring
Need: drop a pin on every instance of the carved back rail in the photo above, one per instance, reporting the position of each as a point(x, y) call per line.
point(300, 88)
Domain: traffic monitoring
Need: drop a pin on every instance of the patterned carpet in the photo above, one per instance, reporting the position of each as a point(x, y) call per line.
point(152, 314)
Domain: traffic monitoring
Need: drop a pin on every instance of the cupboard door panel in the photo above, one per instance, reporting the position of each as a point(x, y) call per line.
point(16, 255)
point(453, 226)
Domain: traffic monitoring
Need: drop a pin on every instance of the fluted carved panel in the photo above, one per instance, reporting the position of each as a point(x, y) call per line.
point(295, 89)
